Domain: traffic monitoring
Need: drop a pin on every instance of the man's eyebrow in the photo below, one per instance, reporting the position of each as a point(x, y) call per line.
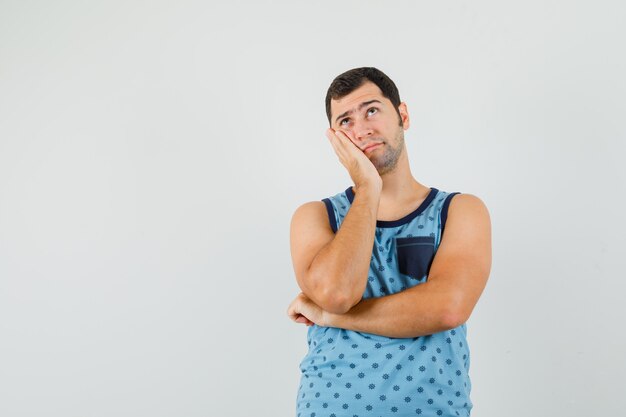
point(365, 103)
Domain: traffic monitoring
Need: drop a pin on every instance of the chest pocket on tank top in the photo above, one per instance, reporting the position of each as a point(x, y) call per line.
point(415, 254)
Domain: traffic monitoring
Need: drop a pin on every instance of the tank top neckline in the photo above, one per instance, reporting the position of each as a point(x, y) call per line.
point(394, 223)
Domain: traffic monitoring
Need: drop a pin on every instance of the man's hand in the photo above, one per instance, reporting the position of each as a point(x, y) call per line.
point(361, 169)
point(303, 310)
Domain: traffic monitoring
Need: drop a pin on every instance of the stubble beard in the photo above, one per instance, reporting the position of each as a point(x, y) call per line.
point(388, 161)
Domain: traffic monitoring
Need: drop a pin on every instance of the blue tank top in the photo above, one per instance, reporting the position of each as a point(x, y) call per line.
point(355, 374)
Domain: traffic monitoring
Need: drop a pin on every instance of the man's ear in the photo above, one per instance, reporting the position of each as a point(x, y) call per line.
point(404, 115)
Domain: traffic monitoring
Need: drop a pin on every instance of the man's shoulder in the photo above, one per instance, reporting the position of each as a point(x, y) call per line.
point(468, 213)
point(464, 202)
point(324, 213)
point(340, 197)
point(310, 212)
point(310, 207)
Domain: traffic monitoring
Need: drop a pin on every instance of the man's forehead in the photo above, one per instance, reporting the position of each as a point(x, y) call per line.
point(366, 92)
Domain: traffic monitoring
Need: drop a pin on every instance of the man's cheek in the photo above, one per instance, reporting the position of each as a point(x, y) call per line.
point(349, 134)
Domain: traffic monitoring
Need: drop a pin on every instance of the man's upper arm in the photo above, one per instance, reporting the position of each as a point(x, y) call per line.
point(463, 260)
point(310, 232)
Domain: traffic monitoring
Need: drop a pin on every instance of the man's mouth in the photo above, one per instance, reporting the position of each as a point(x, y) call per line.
point(372, 146)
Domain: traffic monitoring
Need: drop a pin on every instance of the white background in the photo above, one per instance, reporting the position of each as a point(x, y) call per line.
point(152, 153)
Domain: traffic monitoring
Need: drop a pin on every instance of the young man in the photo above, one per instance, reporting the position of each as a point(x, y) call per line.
point(385, 292)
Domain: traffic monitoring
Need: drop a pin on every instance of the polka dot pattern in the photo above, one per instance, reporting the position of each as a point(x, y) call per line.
point(356, 374)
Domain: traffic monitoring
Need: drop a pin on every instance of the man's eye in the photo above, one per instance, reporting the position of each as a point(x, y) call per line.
point(341, 123)
point(372, 109)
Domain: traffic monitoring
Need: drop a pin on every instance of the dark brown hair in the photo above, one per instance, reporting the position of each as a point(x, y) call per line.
point(350, 80)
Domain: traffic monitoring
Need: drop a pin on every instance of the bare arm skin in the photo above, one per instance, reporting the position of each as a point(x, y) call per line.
point(332, 269)
point(457, 277)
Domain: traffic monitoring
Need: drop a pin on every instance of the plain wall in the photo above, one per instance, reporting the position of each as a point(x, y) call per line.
point(152, 154)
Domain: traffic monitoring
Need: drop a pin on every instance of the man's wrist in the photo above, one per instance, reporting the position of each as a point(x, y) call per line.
point(330, 319)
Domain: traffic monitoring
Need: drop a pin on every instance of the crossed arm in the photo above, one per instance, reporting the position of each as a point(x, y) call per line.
point(457, 277)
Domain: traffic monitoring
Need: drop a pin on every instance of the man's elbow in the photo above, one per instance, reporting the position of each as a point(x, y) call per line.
point(329, 300)
point(329, 297)
point(335, 302)
point(451, 319)
point(454, 314)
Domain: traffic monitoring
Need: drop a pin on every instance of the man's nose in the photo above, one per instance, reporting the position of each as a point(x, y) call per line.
point(362, 130)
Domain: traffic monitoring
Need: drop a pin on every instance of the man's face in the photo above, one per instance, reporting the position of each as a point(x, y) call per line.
point(368, 118)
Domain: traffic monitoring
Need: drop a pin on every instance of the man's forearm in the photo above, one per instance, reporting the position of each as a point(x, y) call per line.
point(417, 311)
point(342, 267)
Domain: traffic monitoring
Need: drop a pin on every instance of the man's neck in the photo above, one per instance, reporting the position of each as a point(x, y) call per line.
point(399, 186)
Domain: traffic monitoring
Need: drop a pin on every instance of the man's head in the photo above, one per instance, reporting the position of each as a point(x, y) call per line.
point(365, 104)
point(350, 80)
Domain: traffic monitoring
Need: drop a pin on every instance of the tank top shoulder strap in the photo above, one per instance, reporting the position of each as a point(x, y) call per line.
point(337, 207)
point(444, 209)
